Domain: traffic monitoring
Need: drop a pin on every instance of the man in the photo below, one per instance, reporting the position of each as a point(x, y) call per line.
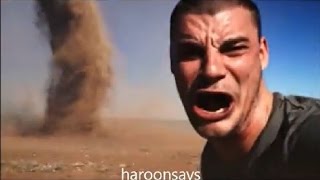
point(217, 56)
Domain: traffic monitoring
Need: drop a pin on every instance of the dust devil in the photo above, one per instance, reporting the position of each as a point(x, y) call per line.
point(80, 69)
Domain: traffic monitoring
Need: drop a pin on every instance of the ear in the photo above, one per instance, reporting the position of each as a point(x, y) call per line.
point(264, 53)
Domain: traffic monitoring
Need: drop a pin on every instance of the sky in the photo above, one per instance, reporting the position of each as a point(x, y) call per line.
point(139, 30)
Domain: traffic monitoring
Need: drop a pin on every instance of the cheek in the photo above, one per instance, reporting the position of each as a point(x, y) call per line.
point(186, 73)
point(246, 74)
point(244, 70)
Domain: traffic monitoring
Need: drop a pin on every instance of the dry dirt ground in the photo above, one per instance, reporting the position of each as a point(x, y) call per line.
point(133, 145)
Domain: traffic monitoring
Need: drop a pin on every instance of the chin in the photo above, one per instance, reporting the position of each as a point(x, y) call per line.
point(220, 129)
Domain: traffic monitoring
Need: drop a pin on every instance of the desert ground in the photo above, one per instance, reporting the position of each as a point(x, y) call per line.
point(134, 145)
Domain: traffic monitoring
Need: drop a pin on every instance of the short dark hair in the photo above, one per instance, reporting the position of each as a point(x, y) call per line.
point(211, 7)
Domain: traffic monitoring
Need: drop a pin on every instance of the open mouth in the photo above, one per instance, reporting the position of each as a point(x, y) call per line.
point(213, 105)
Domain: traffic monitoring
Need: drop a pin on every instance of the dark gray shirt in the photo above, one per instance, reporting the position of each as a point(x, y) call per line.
point(289, 145)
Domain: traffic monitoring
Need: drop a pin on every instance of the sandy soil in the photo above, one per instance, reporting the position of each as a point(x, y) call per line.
point(129, 144)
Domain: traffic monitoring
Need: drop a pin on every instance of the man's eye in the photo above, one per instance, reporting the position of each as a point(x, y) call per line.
point(188, 53)
point(232, 49)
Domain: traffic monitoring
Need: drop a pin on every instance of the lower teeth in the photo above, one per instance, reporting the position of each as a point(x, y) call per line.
point(220, 110)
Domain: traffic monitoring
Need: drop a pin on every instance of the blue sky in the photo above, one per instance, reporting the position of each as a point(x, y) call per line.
point(139, 30)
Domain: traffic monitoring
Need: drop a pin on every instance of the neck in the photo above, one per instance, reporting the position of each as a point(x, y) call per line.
point(238, 145)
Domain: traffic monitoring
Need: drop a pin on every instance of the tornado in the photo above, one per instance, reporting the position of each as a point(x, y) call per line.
point(80, 67)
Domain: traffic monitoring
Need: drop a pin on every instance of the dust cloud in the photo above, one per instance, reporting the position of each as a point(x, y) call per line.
point(81, 72)
point(85, 92)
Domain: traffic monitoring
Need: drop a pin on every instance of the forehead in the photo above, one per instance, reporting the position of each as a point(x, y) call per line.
point(226, 23)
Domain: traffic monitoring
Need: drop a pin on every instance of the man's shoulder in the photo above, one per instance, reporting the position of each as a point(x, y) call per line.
point(304, 150)
point(303, 118)
point(293, 113)
point(302, 101)
point(298, 109)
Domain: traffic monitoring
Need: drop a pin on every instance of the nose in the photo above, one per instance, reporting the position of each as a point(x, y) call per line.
point(213, 67)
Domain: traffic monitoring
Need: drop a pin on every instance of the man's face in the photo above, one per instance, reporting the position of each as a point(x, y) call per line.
point(217, 61)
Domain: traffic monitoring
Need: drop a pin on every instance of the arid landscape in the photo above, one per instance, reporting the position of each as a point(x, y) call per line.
point(134, 145)
point(72, 140)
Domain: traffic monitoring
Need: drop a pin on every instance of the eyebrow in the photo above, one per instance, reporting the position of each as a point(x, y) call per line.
point(186, 38)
